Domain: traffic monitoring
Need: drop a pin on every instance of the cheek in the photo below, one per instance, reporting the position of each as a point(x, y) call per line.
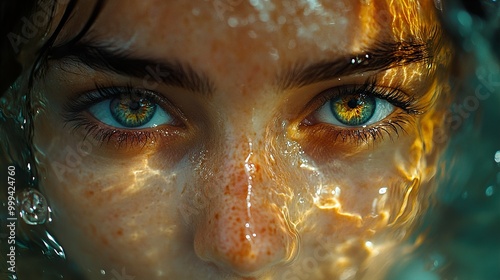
point(107, 205)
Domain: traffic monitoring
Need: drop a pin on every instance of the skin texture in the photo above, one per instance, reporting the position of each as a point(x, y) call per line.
point(246, 183)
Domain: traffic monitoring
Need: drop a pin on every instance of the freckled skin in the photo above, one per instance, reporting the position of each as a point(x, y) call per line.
point(221, 198)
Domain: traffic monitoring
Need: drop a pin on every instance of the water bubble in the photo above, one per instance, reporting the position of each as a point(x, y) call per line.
point(438, 4)
point(435, 261)
point(497, 157)
point(232, 21)
point(33, 207)
point(489, 191)
point(281, 20)
point(274, 53)
point(252, 34)
point(464, 18)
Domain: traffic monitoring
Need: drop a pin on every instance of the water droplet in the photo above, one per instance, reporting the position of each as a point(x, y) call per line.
point(103, 272)
point(382, 190)
point(435, 261)
point(489, 191)
point(232, 21)
point(33, 207)
point(438, 4)
point(281, 20)
point(252, 34)
point(274, 53)
point(497, 157)
point(464, 18)
point(264, 17)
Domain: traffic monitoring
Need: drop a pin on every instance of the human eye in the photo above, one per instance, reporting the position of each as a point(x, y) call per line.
point(123, 114)
point(361, 112)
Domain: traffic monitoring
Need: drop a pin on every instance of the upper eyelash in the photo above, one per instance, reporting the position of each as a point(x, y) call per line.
point(73, 114)
point(394, 95)
point(377, 131)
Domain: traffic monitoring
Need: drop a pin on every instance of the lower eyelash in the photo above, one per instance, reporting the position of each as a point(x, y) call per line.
point(369, 134)
point(122, 138)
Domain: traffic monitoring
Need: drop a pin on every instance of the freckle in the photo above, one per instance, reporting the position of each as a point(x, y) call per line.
point(104, 240)
point(92, 229)
point(88, 193)
point(217, 216)
point(268, 252)
point(119, 232)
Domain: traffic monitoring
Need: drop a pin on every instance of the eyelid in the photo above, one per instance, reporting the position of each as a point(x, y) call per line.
point(394, 95)
point(86, 100)
point(76, 112)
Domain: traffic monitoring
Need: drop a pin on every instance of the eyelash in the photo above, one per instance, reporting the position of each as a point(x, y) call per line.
point(103, 133)
point(373, 132)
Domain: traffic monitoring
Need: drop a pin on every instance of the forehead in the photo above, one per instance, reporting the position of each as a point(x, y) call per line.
point(328, 25)
point(254, 39)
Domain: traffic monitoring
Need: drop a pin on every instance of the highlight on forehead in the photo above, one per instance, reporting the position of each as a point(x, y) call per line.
point(397, 20)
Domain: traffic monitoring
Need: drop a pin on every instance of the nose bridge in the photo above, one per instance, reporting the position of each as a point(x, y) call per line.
point(243, 230)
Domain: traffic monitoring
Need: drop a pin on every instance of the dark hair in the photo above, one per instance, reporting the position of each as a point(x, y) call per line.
point(11, 12)
point(13, 18)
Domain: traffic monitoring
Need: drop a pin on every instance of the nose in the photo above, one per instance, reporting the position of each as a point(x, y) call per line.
point(243, 232)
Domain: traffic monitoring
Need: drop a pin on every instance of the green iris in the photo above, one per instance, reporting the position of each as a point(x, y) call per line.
point(132, 110)
point(354, 109)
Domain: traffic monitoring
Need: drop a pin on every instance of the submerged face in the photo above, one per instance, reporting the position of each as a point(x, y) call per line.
point(240, 139)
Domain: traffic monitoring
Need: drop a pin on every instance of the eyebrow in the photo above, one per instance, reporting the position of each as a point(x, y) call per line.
point(101, 57)
point(379, 57)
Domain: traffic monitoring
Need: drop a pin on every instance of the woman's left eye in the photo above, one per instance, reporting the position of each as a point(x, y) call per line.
point(130, 111)
point(354, 110)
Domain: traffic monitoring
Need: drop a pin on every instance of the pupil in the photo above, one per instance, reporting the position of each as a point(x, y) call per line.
point(134, 106)
point(353, 103)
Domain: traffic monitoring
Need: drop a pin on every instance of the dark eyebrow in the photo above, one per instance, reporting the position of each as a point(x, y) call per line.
point(379, 57)
point(106, 58)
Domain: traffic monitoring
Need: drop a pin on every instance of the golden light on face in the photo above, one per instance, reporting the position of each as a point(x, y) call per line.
point(268, 140)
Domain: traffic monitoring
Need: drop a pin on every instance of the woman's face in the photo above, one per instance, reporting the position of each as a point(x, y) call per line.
point(231, 139)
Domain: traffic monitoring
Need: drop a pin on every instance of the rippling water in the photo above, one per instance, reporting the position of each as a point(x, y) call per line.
point(460, 236)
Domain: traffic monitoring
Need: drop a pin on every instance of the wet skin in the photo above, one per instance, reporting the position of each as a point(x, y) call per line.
point(247, 179)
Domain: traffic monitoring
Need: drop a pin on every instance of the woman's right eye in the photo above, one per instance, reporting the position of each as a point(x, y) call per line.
point(130, 110)
point(124, 115)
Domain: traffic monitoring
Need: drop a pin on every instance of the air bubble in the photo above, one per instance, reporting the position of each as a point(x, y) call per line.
point(33, 207)
point(497, 157)
point(489, 191)
point(232, 21)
